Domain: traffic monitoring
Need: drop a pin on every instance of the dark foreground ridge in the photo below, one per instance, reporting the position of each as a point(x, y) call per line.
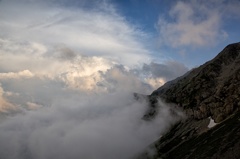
point(211, 91)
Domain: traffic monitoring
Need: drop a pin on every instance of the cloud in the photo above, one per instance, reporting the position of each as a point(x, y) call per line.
point(167, 71)
point(33, 106)
point(195, 24)
point(65, 53)
point(57, 72)
point(96, 31)
point(84, 76)
point(97, 127)
point(155, 82)
point(81, 72)
point(72, 71)
point(13, 75)
point(76, 106)
point(78, 46)
point(5, 106)
point(119, 78)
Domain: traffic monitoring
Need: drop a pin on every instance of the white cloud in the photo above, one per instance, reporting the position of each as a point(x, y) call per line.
point(97, 127)
point(155, 82)
point(80, 47)
point(79, 72)
point(14, 75)
point(119, 78)
point(79, 67)
point(97, 32)
point(5, 105)
point(195, 23)
point(33, 106)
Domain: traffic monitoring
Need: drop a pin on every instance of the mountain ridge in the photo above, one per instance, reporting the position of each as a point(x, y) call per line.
point(207, 84)
point(211, 91)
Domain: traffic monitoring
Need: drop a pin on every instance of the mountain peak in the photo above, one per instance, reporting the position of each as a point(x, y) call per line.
point(231, 52)
point(233, 45)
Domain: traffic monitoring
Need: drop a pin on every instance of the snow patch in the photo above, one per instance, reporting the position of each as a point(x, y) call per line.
point(211, 123)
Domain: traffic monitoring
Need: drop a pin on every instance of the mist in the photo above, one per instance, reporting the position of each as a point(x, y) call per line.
point(57, 103)
point(68, 72)
point(91, 127)
point(60, 104)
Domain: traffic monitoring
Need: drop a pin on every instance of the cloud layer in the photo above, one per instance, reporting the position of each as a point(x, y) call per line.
point(97, 127)
point(5, 105)
point(75, 106)
point(67, 74)
point(81, 72)
point(196, 23)
point(98, 31)
point(12, 75)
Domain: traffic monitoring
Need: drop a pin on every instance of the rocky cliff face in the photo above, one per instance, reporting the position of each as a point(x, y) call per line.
point(211, 91)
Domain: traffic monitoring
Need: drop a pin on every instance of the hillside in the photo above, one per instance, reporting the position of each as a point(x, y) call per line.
point(211, 91)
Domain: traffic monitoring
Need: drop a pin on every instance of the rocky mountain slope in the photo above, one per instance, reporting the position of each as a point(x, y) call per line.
point(211, 91)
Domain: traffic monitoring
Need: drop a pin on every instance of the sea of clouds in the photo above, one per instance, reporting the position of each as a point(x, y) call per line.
point(64, 105)
point(67, 78)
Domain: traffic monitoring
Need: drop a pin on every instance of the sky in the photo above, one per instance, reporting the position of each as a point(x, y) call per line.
point(69, 68)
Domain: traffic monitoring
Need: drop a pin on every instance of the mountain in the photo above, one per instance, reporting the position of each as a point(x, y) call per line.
point(209, 95)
